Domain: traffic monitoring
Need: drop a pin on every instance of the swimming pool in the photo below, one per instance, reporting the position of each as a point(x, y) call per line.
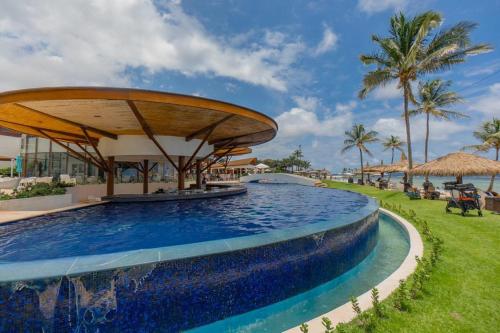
point(130, 226)
point(175, 266)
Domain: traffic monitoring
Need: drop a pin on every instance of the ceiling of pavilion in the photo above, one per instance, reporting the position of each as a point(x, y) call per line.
point(67, 113)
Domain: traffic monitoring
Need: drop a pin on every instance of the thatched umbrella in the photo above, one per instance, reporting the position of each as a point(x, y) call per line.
point(458, 164)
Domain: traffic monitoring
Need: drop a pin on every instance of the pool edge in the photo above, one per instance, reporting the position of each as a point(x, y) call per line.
point(345, 313)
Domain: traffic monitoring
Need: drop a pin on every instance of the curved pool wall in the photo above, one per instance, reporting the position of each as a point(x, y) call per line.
point(196, 284)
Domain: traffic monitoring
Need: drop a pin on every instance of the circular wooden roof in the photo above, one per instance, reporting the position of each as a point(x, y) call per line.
point(66, 113)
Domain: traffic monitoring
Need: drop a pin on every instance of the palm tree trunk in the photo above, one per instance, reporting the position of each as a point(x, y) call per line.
point(492, 181)
point(407, 125)
point(426, 142)
point(362, 170)
point(392, 162)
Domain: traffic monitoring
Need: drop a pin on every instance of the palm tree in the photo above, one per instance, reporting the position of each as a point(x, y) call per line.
point(433, 97)
point(489, 135)
point(358, 137)
point(410, 52)
point(393, 143)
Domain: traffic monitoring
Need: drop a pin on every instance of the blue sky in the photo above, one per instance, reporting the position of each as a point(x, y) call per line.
point(296, 61)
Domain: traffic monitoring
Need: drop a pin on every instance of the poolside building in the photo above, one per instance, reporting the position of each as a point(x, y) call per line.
point(121, 134)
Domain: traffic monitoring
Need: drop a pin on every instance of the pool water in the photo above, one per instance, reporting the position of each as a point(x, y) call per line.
point(391, 250)
point(117, 227)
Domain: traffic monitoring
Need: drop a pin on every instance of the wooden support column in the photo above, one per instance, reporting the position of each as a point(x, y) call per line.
point(180, 173)
point(198, 173)
point(145, 174)
point(110, 179)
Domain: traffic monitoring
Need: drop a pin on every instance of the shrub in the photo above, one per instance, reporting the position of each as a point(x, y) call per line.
point(36, 190)
point(327, 323)
point(377, 306)
point(304, 328)
point(401, 299)
point(364, 318)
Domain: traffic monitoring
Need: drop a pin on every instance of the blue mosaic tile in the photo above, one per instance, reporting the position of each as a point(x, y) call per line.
point(175, 295)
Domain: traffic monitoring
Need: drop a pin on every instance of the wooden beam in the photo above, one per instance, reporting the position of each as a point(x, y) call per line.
point(110, 178)
point(101, 165)
point(208, 128)
point(76, 137)
point(68, 148)
point(70, 122)
point(153, 166)
point(147, 130)
point(188, 164)
point(92, 143)
point(181, 174)
point(237, 137)
point(218, 159)
point(145, 177)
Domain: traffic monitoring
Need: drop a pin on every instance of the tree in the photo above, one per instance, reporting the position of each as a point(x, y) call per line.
point(433, 97)
point(393, 143)
point(358, 137)
point(489, 135)
point(410, 52)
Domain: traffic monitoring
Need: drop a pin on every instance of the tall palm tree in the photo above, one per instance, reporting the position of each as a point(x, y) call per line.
point(393, 143)
point(489, 135)
point(433, 97)
point(410, 52)
point(358, 137)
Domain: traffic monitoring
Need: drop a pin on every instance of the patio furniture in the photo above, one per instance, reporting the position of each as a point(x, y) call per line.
point(26, 182)
point(43, 180)
point(413, 193)
point(430, 191)
point(492, 202)
point(66, 179)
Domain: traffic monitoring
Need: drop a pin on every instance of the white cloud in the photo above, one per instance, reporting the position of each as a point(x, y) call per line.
point(439, 130)
point(375, 6)
point(389, 91)
point(489, 103)
point(307, 103)
point(101, 42)
point(346, 107)
point(303, 120)
point(328, 42)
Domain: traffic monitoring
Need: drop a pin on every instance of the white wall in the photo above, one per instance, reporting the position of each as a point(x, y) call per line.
point(91, 191)
point(37, 203)
point(280, 178)
point(141, 146)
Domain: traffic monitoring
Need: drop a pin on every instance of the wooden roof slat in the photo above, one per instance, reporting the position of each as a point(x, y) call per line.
point(70, 122)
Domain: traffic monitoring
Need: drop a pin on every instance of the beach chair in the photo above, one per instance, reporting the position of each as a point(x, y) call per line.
point(66, 179)
point(43, 180)
point(430, 191)
point(413, 193)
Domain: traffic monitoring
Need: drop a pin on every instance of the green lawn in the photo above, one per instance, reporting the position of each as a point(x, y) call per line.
point(463, 293)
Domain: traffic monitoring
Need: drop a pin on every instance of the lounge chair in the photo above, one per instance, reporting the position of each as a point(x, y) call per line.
point(430, 192)
point(43, 180)
point(66, 179)
point(413, 193)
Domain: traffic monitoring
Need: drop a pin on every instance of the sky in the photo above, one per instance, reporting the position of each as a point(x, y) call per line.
point(295, 61)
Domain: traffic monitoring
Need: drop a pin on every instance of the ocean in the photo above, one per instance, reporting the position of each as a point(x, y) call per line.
point(481, 182)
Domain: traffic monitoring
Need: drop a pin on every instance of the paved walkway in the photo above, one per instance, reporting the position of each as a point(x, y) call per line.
point(10, 216)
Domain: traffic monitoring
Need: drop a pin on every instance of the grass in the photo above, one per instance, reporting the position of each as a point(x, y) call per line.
point(463, 293)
